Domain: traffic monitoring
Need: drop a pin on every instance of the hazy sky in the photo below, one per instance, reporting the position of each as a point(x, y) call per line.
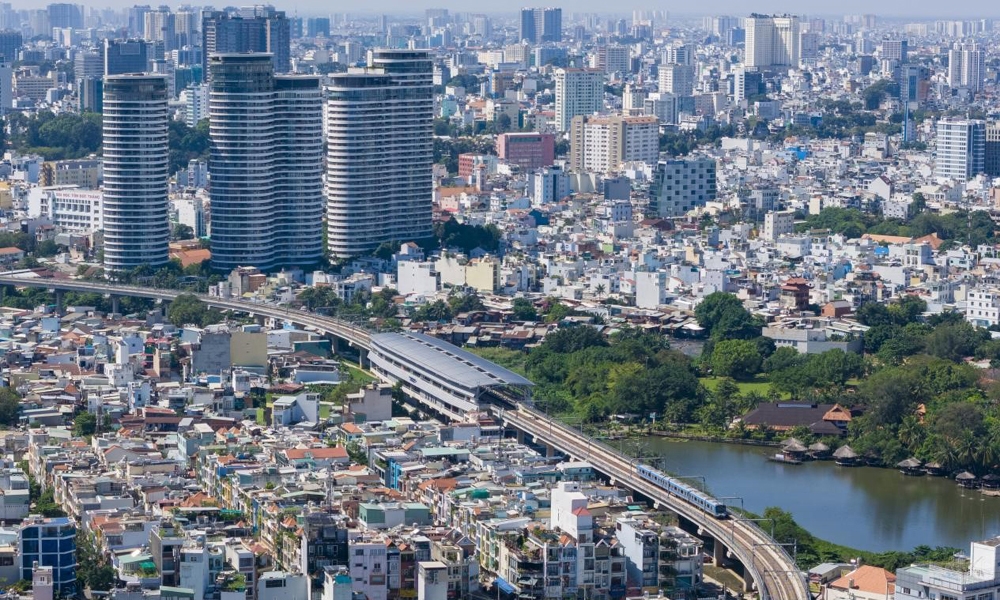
point(896, 8)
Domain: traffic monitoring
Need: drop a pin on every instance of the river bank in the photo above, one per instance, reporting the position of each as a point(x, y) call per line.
point(868, 508)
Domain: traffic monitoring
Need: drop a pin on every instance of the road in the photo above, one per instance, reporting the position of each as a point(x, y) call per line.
point(357, 336)
point(768, 563)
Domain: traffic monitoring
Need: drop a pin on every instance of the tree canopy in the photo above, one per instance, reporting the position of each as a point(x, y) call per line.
point(56, 137)
point(188, 309)
point(724, 316)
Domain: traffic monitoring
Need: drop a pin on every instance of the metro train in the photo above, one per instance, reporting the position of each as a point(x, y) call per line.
point(684, 491)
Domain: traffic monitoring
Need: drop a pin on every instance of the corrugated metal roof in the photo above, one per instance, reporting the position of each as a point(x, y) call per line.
point(447, 360)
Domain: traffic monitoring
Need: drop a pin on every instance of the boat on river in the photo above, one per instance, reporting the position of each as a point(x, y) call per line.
point(784, 459)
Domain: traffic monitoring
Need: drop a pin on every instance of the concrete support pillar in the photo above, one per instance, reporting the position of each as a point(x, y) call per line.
point(748, 582)
point(519, 436)
point(115, 304)
point(60, 301)
point(719, 554)
point(363, 361)
point(550, 451)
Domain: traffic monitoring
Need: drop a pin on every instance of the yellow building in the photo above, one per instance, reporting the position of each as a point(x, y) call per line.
point(483, 274)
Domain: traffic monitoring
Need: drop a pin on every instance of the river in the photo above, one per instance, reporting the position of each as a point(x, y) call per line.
point(862, 507)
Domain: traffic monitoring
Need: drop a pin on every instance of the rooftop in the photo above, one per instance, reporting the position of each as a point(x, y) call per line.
point(451, 362)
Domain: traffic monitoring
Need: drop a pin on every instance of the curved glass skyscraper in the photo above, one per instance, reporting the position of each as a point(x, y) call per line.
point(136, 228)
point(380, 153)
point(266, 163)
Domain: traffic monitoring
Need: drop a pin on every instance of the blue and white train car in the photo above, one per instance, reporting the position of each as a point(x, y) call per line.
point(684, 491)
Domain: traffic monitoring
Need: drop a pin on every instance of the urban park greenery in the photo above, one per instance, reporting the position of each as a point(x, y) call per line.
point(913, 390)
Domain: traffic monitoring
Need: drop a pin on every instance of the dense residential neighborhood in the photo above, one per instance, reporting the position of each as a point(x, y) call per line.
point(300, 303)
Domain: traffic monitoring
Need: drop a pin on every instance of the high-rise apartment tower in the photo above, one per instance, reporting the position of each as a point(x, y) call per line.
point(266, 163)
point(380, 152)
point(136, 230)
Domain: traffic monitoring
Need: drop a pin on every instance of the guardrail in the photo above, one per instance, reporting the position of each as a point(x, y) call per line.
point(754, 534)
point(349, 331)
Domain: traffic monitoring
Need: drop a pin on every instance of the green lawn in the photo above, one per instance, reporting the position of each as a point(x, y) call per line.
point(760, 385)
point(515, 360)
point(358, 375)
point(724, 576)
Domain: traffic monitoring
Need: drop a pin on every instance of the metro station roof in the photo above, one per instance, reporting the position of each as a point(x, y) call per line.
point(430, 354)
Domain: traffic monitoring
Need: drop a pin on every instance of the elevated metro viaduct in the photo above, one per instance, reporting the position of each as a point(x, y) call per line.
point(449, 380)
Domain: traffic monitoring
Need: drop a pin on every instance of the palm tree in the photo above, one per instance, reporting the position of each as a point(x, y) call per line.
point(600, 290)
point(986, 455)
point(946, 455)
point(911, 432)
point(967, 450)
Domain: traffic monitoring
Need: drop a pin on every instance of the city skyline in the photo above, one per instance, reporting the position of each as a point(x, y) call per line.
point(892, 9)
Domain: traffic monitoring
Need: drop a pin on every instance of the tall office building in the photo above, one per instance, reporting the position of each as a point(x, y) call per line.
point(160, 26)
point(771, 41)
point(318, 26)
point(90, 94)
point(380, 152)
point(679, 55)
point(578, 92)
point(541, 25)
point(187, 25)
point(10, 43)
point(808, 46)
point(682, 185)
point(991, 162)
point(632, 98)
point(266, 165)
point(137, 20)
point(914, 84)
point(602, 144)
point(611, 58)
point(125, 56)
point(256, 29)
point(136, 229)
point(960, 150)
point(87, 63)
point(676, 79)
point(896, 50)
point(747, 84)
point(65, 15)
point(966, 67)
point(719, 26)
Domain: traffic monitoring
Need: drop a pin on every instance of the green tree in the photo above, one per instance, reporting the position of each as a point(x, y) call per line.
point(84, 424)
point(10, 407)
point(524, 310)
point(736, 358)
point(460, 303)
point(956, 420)
point(186, 143)
point(383, 304)
point(567, 340)
point(955, 341)
point(724, 316)
point(47, 248)
point(93, 569)
point(783, 358)
point(182, 232)
point(436, 311)
point(890, 395)
point(452, 234)
point(188, 309)
point(47, 506)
